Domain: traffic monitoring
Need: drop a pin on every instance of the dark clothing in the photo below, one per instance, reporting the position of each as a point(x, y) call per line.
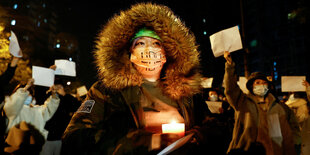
point(58, 123)
point(23, 139)
point(5, 78)
point(40, 94)
point(4, 83)
point(111, 120)
point(102, 127)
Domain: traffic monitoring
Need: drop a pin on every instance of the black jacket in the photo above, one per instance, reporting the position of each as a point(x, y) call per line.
point(58, 123)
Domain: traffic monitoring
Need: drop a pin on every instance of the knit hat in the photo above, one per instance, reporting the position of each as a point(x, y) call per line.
point(253, 77)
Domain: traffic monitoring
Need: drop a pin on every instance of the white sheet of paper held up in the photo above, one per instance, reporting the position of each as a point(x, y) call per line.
point(65, 67)
point(292, 83)
point(207, 82)
point(82, 90)
point(214, 106)
point(43, 76)
point(14, 46)
point(226, 40)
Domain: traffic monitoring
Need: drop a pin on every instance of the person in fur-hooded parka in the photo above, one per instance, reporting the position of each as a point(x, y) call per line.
point(112, 119)
point(112, 54)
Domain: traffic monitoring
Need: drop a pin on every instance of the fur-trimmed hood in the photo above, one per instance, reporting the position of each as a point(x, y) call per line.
point(112, 53)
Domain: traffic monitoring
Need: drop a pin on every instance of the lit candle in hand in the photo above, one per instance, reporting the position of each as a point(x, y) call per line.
point(174, 128)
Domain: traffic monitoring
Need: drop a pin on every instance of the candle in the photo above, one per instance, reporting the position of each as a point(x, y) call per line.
point(174, 128)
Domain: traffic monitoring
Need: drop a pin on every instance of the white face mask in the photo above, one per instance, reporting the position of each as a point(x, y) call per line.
point(213, 98)
point(260, 90)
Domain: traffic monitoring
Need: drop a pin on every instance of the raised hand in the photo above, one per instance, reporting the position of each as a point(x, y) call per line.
point(228, 58)
point(305, 83)
point(29, 84)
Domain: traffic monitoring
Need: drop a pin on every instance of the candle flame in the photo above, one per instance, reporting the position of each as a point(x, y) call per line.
point(173, 122)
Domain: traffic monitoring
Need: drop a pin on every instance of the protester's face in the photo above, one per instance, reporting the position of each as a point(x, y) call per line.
point(260, 87)
point(213, 96)
point(148, 55)
point(212, 93)
point(259, 82)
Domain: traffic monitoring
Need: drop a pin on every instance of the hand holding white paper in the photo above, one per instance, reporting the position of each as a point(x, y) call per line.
point(43, 76)
point(65, 67)
point(293, 83)
point(226, 40)
point(14, 46)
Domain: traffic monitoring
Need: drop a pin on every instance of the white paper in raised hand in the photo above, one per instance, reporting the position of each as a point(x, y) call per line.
point(43, 76)
point(226, 40)
point(207, 82)
point(82, 90)
point(65, 67)
point(292, 83)
point(214, 106)
point(14, 46)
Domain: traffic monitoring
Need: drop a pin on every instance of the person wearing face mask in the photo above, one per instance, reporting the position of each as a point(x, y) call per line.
point(259, 119)
point(147, 62)
point(213, 95)
point(20, 107)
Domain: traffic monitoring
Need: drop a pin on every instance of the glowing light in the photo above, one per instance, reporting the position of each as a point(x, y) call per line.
point(70, 59)
point(174, 128)
point(253, 43)
point(58, 45)
point(68, 83)
point(15, 6)
point(204, 32)
point(13, 22)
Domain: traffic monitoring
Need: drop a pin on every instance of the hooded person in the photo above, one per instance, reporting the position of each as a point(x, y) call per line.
point(261, 122)
point(147, 62)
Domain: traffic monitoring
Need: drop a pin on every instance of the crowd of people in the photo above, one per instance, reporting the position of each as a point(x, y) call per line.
point(149, 75)
point(32, 123)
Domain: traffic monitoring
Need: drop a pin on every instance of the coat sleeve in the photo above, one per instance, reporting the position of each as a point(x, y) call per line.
point(80, 135)
point(293, 123)
point(15, 103)
point(49, 108)
point(232, 91)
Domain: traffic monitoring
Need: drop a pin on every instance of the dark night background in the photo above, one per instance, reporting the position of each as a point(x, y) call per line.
point(275, 32)
point(216, 16)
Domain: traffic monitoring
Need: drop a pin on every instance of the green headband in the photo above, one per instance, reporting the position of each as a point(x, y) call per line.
point(144, 32)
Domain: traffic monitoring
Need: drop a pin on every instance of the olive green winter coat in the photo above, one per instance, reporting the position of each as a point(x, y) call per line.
point(251, 123)
point(108, 121)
